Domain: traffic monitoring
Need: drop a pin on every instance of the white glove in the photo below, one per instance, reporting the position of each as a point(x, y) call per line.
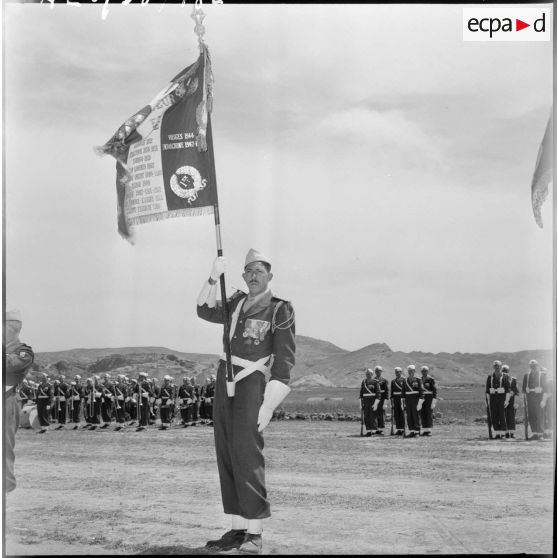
point(275, 392)
point(48, 407)
point(516, 406)
point(544, 399)
point(219, 267)
point(376, 403)
point(433, 406)
point(159, 401)
point(419, 404)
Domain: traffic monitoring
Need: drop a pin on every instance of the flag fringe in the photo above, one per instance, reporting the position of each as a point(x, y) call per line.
point(185, 212)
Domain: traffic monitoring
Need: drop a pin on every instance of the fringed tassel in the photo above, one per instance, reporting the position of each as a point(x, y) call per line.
point(185, 212)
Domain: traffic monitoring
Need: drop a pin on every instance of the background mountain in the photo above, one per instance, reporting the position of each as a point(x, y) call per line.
point(319, 363)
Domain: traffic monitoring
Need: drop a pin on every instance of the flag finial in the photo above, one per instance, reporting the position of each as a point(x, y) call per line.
point(198, 16)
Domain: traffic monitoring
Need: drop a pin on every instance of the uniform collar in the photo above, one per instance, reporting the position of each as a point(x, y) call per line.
point(257, 303)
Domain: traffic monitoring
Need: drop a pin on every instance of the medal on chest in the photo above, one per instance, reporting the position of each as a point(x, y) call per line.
point(255, 331)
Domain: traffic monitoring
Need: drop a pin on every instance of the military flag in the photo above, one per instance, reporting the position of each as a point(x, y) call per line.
point(543, 175)
point(164, 152)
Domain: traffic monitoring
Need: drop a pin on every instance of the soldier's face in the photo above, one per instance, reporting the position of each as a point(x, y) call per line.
point(256, 277)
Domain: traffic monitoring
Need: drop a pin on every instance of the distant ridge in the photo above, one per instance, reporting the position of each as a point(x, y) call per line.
point(318, 363)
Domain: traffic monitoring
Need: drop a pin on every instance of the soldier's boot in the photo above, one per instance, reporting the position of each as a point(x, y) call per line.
point(379, 432)
point(231, 540)
point(512, 435)
point(252, 544)
point(368, 433)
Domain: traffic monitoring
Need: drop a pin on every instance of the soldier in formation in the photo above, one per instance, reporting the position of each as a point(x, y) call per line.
point(101, 402)
point(536, 390)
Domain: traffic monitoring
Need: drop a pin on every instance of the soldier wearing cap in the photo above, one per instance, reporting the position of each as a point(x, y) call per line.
point(44, 396)
point(208, 393)
point(397, 407)
point(413, 397)
point(75, 395)
point(262, 336)
point(119, 394)
point(430, 392)
point(512, 404)
point(26, 393)
point(370, 398)
point(144, 392)
point(384, 394)
point(106, 399)
point(499, 394)
point(96, 396)
point(186, 398)
point(165, 400)
point(536, 391)
point(18, 358)
point(60, 395)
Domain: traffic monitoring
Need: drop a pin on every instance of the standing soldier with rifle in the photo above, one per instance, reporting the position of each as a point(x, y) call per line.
point(119, 394)
point(186, 398)
point(74, 402)
point(413, 397)
point(513, 403)
point(165, 398)
point(96, 398)
point(397, 411)
point(536, 396)
point(384, 394)
point(430, 392)
point(144, 392)
point(44, 396)
point(369, 400)
point(208, 395)
point(499, 394)
point(197, 402)
point(106, 400)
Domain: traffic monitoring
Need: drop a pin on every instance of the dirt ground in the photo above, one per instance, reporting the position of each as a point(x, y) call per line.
point(331, 492)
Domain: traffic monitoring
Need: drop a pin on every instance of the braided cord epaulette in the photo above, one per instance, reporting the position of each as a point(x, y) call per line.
point(284, 325)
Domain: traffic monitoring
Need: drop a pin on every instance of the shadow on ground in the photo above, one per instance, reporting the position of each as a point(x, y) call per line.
point(174, 550)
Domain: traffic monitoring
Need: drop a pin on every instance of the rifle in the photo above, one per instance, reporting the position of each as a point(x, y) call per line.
point(404, 417)
point(488, 416)
point(526, 417)
point(361, 418)
point(392, 415)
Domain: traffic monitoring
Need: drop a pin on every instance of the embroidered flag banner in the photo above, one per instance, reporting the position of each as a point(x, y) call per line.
point(543, 175)
point(164, 153)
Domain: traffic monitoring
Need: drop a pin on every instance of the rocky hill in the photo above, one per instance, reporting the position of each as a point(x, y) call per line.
point(318, 363)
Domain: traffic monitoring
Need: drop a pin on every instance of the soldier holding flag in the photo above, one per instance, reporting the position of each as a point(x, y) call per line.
point(262, 338)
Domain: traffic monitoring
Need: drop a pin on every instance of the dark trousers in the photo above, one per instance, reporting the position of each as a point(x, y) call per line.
point(195, 411)
point(370, 416)
point(535, 412)
point(510, 415)
point(106, 408)
point(413, 417)
point(548, 413)
point(144, 412)
point(186, 414)
point(96, 411)
point(165, 414)
point(239, 446)
point(426, 412)
point(381, 414)
point(11, 424)
point(397, 413)
point(497, 412)
point(119, 410)
point(74, 410)
point(42, 412)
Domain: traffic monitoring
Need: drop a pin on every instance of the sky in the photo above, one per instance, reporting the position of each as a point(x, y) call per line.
point(381, 162)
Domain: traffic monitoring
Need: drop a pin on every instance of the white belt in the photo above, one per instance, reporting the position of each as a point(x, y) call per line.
point(496, 390)
point(44, 396)
point(61, 398)
point(410, 392)
point(76, 398)
point(428, 392)
point(248, 366)
point(395, 393)
point(534, 390)
point(368, 394)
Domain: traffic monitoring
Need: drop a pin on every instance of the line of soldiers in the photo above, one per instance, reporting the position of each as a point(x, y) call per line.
point(502, 399)
point(413, 400)
point(100, 400)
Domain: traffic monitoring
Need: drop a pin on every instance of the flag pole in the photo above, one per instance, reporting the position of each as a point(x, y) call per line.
point(198, 16)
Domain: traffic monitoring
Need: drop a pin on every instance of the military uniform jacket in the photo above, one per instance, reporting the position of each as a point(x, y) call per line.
point(495, 385)
point(19, 357)
point(186, 392)
point(266, 328)
point(429, 385)
point(44, 391)
point(142, 388)
point(412, 388)
point(384, 388)
point(369, 388)
point(209, 390)
point(27, 392)
point(75, 393)
point(166, 394)
point(397, 387)
point(60, 390)
point(534, 382)
point(120, 391)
